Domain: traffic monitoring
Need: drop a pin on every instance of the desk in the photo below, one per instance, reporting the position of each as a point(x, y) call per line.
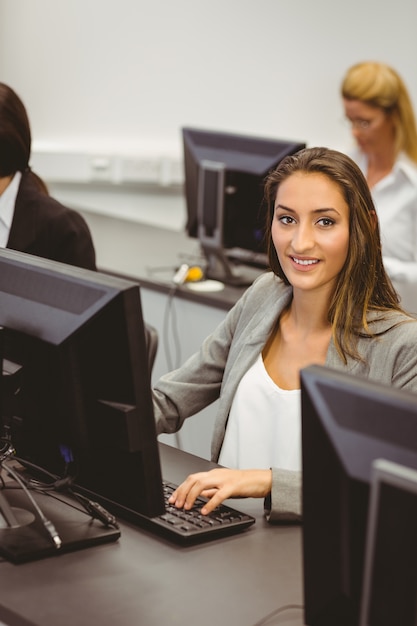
point(146, 581)
point(151, 255)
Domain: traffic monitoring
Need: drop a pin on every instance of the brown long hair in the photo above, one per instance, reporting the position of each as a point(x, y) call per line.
point(15, 137)
point(362, 285)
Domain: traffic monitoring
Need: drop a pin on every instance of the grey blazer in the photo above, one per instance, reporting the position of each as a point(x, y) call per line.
point(215, 371)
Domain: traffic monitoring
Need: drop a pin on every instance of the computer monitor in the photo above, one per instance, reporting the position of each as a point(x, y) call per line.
point(347, 423)
point(224, 187)
point(76, 393)
point(390, 572)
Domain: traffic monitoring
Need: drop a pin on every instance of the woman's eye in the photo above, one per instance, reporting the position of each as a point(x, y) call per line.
point(286, 219)
point(326, 221)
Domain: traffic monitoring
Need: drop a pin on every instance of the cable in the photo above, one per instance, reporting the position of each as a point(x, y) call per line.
point(96, 510)
point(55, 480)
point(170, 316)
point(49, 527)
point(65, 485)
point(6, 451)
point(287, 607)
point(172, 364)
point(185, 273)
point(170, 308)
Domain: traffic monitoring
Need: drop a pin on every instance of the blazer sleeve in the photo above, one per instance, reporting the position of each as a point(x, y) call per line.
point(196, 384)
point(208, 373)
point(74, 242)
point(283, 504)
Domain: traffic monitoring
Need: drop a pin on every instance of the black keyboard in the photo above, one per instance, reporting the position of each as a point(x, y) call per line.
point(191, 526)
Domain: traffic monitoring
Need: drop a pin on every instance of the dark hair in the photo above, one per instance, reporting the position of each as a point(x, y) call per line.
point(363, 284)
point(15, 136)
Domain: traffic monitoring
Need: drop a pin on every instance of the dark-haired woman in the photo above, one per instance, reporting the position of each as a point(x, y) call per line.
point(31, 220)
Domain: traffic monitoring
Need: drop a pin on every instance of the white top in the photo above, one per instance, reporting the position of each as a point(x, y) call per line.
point(395, 198)
point(264, 426)
point(7, 204)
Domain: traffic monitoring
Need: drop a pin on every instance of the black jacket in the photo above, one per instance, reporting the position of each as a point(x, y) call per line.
point(44, 227)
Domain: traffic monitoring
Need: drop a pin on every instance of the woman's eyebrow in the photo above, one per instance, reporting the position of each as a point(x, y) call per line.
point(320, 210)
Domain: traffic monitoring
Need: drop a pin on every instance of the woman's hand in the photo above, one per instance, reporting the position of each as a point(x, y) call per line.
point(219, 484)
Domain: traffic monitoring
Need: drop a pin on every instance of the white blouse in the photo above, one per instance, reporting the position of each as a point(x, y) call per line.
point(395, 198)
point(7, 204)
point(264, 426)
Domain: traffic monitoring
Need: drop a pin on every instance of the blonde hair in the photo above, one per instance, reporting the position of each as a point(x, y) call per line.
point(381, 86)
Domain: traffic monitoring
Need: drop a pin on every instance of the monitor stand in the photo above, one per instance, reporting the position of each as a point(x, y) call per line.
point(210, 224)
point(11, 517)
point(220, 268)
point(24, 538)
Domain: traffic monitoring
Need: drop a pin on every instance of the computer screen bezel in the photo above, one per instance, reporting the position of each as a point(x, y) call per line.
point(34, 316)
point(347, 422)
point(235, 165)
point(399, 591)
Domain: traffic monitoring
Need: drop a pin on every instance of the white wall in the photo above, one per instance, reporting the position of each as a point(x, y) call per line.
point(103, 78)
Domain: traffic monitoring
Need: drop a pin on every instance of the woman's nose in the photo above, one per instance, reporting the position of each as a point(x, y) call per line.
point(303, 239)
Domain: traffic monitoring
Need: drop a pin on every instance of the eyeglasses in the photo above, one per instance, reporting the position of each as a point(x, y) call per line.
point(360, 124)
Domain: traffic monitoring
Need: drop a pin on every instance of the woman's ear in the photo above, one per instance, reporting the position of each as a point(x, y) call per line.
point(374, 218)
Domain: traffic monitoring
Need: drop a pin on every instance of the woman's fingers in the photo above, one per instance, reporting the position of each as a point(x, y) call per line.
point(219, 484)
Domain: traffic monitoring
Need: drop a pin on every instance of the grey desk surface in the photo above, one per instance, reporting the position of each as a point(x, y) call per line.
point(151, 255)
point(144, 580)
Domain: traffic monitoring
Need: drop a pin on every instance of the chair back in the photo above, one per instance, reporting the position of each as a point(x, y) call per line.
point(151, 335)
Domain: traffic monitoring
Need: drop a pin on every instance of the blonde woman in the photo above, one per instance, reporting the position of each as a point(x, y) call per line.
point(378, 106)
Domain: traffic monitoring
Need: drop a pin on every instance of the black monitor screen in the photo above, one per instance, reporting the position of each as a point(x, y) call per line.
point(224, 186)
point(347, 423)
point(390, 572)
point(76, 389)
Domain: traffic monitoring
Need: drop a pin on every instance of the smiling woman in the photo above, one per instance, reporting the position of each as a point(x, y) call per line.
point(310, 231)
point(310, 234)
point(326, 301)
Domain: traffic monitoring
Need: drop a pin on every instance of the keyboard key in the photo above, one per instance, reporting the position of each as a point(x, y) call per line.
point(192, 525)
